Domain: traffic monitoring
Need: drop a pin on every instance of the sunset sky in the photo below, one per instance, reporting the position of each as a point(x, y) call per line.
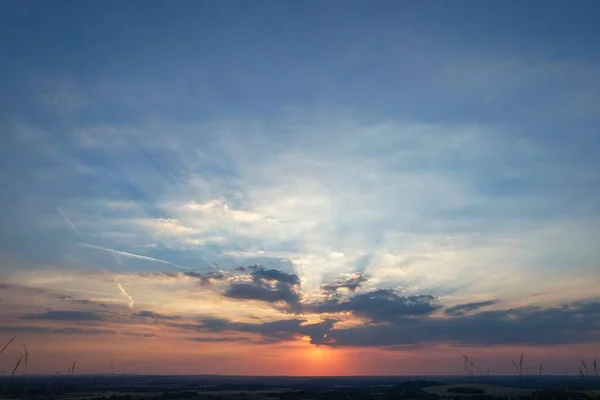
point(299, 187)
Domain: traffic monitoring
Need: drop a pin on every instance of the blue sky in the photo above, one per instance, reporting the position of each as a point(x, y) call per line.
point(432, 148)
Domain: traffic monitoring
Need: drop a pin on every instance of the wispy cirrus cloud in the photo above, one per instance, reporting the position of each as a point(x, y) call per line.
point(66, 316)
point(462, 309)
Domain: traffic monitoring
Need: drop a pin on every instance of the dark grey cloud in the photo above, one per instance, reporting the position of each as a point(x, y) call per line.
point(207, 278)
point(272, 331)
point(262, 292)
point(277, 275)
point(22, 288)
point(318, 332)
point(268, 285)
point(351, 283)
point(66, 316)
point(86, 302)
point(6, 286)
point(379, 305)
point(154, 315)
point(283, 330)
point(57, 331)
point(45, 330)
point(571, 323)
point(462, 309)
point(51, 294)
point(225, 339)
point(214, 324)
point(139, 335)
point(254, 283)
point(289, 329)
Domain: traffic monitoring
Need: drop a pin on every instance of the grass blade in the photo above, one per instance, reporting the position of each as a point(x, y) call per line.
point(521, 366)
point(7, 344)
point(26, 364)
point(585, 366)
point(17, 366)
point(26, 356)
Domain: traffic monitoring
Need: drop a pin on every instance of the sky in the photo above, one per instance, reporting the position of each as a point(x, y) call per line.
point(299, 187)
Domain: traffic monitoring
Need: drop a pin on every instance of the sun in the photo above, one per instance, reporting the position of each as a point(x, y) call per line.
point(317, 360)
point(318, 353)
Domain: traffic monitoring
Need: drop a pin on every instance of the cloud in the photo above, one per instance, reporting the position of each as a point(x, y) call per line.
point(292, 202)
point(124, 293)
point(212, 339)
point(67, 316)
point(214, 324)
point(576, 322)
point(301, 205)
point(139, 335)
point(157, 316)
point(56, 331)
point(268, 285)
point(224, 211)
point(51, 294)
point(254, 283)
point(350, 283)
point(261, 274)
point(280, 292)
point(462, 309)
point(86, 302)
point(209, 278)
point(283, 330)
point(22, 288)
point(272, 331)
point(379, 305)
point(44, 330)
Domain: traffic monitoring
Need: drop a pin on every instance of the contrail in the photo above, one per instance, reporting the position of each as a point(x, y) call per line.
point(67, 220)
point(130, 301)
point(132, 255)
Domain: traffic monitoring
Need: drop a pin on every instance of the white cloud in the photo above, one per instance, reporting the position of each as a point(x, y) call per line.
point(166, 226)
point(223, 211)
point(335, 254)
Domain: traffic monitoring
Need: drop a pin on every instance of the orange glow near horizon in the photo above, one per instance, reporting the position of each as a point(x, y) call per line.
point(313, 360)
point(295, 358)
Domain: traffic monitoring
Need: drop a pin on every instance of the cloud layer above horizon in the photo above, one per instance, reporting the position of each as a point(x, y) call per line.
point(391, 181)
